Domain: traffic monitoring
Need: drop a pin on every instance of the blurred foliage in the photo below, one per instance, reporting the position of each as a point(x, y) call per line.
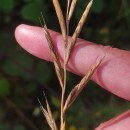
point(4, 87)
point(24, 77)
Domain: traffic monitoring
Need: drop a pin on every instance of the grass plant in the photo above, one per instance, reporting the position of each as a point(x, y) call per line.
point(69, 44)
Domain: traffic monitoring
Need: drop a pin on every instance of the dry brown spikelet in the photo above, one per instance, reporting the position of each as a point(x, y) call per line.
point(72, 7)
point(48, 115)
point(54, 55)
point(60, 18)
point(79, 87)
point(77, 31)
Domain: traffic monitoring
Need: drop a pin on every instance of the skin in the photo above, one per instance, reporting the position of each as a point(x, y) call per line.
point(113, 74)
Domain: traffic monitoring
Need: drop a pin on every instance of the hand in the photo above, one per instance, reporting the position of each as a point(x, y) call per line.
point(113, 74)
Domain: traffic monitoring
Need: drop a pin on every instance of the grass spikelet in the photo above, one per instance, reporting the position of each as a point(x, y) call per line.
point(60, 18)
point(72, 7)
point(79, 87)
point(54, 55)
point(48, 115)
point(67, 20)
point(68, 7)
point(78, 30)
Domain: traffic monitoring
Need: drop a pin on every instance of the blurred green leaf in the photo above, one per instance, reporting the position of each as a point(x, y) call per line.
point(127, 16)
point(12, 69)
point(55, 101)
point(78, 12)
point(97, 6)
point(28, 0)
point(33, 0)
point(8, 43)
point(20, 127)
point(77, 110)
point(32, 11)
point(31, 87)
point(20, 65)
point(23, 60)
point(127, 12)
point(79, 9)
point(56, 115)
point(6, 5)
point(43, 72)
point(2, 112)
point(5, 126)
point(4, 87)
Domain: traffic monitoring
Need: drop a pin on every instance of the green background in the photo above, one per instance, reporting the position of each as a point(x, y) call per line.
point(24, 77)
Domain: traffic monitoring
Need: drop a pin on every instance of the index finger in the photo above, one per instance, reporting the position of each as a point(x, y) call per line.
point(113, 74)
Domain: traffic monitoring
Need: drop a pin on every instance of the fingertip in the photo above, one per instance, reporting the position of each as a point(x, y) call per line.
point(31, 38)
point(17, 31)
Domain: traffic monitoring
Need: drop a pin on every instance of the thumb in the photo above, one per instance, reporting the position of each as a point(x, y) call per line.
point(121, 122)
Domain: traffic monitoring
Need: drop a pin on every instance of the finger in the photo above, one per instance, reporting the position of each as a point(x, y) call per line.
point(121, 122)
point(113, 74)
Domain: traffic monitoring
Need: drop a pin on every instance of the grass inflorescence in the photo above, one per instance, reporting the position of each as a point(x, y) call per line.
point(69, 44)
